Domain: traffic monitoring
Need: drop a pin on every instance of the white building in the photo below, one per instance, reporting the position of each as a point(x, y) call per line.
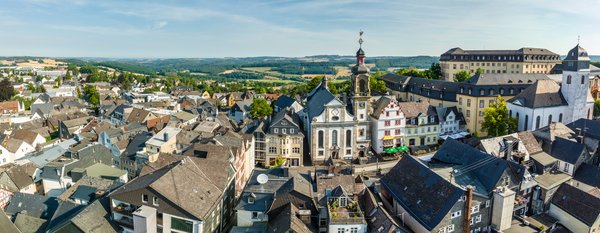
point(337, 126)
point(451, 120)
point(545, 101)
point(387, 124)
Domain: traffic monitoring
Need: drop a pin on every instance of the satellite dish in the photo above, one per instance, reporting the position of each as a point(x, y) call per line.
point(262, 178)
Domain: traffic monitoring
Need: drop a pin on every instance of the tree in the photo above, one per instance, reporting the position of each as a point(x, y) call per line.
point(479, 71)
point(314, 82)
point(260, 108)
point(375, 84)
point(596, 108)
point(497, 122)
point(462, 76)
point(435, 71)
point(7, 90)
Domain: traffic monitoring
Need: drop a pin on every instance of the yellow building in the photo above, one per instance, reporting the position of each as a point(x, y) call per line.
point(471, 97)
point(521, 61)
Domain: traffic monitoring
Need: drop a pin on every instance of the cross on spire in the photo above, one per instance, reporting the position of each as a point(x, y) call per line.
point(578, 38)
point(360, 39)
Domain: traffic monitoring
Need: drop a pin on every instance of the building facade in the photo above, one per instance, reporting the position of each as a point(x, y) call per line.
point(387, 124)
point(521, 61)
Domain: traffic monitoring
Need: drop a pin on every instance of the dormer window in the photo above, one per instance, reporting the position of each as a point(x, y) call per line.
point(251, 198)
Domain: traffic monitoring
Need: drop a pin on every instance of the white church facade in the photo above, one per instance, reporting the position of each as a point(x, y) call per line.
point(546, 101)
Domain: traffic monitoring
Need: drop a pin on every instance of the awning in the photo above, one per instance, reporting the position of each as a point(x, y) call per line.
point(385, 138)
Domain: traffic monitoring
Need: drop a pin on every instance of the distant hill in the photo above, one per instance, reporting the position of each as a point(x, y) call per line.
point(320, 64)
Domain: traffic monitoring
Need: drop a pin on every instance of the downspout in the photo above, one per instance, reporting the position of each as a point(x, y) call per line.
point(468, 204)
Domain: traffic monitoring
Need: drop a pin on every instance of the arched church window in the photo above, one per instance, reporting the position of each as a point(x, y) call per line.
point(537, 122)
point(582, 79)
point(550, 119)
point(348, 138)
point(362, 87)
point(320, 138)
point(526, 122)
point(334, 138)
point(560, 117)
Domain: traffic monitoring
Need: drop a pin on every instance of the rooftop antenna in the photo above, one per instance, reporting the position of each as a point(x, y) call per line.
point(360, 39)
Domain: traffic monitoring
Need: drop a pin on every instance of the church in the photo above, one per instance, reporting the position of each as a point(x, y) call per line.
point(337, 127)
point(546, 101)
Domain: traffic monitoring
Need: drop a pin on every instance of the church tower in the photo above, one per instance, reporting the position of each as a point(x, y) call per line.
point(361, 101)
point(361, 91)
point(575, 84)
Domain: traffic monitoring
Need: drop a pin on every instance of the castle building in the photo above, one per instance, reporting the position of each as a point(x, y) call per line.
point(521, 61)
point(546, 102)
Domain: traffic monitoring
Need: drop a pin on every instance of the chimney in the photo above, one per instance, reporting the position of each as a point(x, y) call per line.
point(166, 136)
point(325, 82)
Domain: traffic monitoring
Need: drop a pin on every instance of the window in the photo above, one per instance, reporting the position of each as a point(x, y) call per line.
point(296, 150)
point(511, 91)
point(354, 230)
point(155, 201)
point(487, 203)
point(397, 132)
point(468, 113)
point(491, 102)
point(491, 91)
point(334, 138)
point(387, 123)
point(144, 198)
point(480, 113)
point(348, 138)
point(455, 214)
point(276, 130)
point(537, 122)
point(272, 150)
point(468, 102)
point(254, 215)
point(283, 131)
point(450, 228)
point(387, 114)
point(549, 119)
point(460, 100)
point(184, 225)
point(569, 79)
point(560, 117)
point(320, 139)
point(481, 104)
point(475, 209)
point(478, 219)
point(387, 133)
point(397, 122)
point(481, 92)
point(582, 79)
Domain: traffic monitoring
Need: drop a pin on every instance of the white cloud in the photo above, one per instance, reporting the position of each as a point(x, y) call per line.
point(159, 25)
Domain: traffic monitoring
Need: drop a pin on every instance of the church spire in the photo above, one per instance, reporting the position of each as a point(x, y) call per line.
point(360, 54)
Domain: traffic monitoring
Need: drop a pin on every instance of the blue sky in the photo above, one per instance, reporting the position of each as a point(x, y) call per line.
point(171, 28)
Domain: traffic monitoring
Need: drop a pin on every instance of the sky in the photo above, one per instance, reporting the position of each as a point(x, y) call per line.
point(292, 28)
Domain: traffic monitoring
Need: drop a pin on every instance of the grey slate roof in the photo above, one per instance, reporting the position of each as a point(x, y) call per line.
point(283, 102)
point(316, 100)
point(435, 89)
point(33, 205)
point(591, 128)
point(588, 174)
point(378, 107)
point(485, 176)
point(567, 150)
point(543, 93)
point(29, 224)
point(422, 192)
point(577, 203)
point(6, 224)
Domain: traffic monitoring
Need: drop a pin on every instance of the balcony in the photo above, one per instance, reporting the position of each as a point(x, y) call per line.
point(124, 209)
point(343, 215)
point(125, 222)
